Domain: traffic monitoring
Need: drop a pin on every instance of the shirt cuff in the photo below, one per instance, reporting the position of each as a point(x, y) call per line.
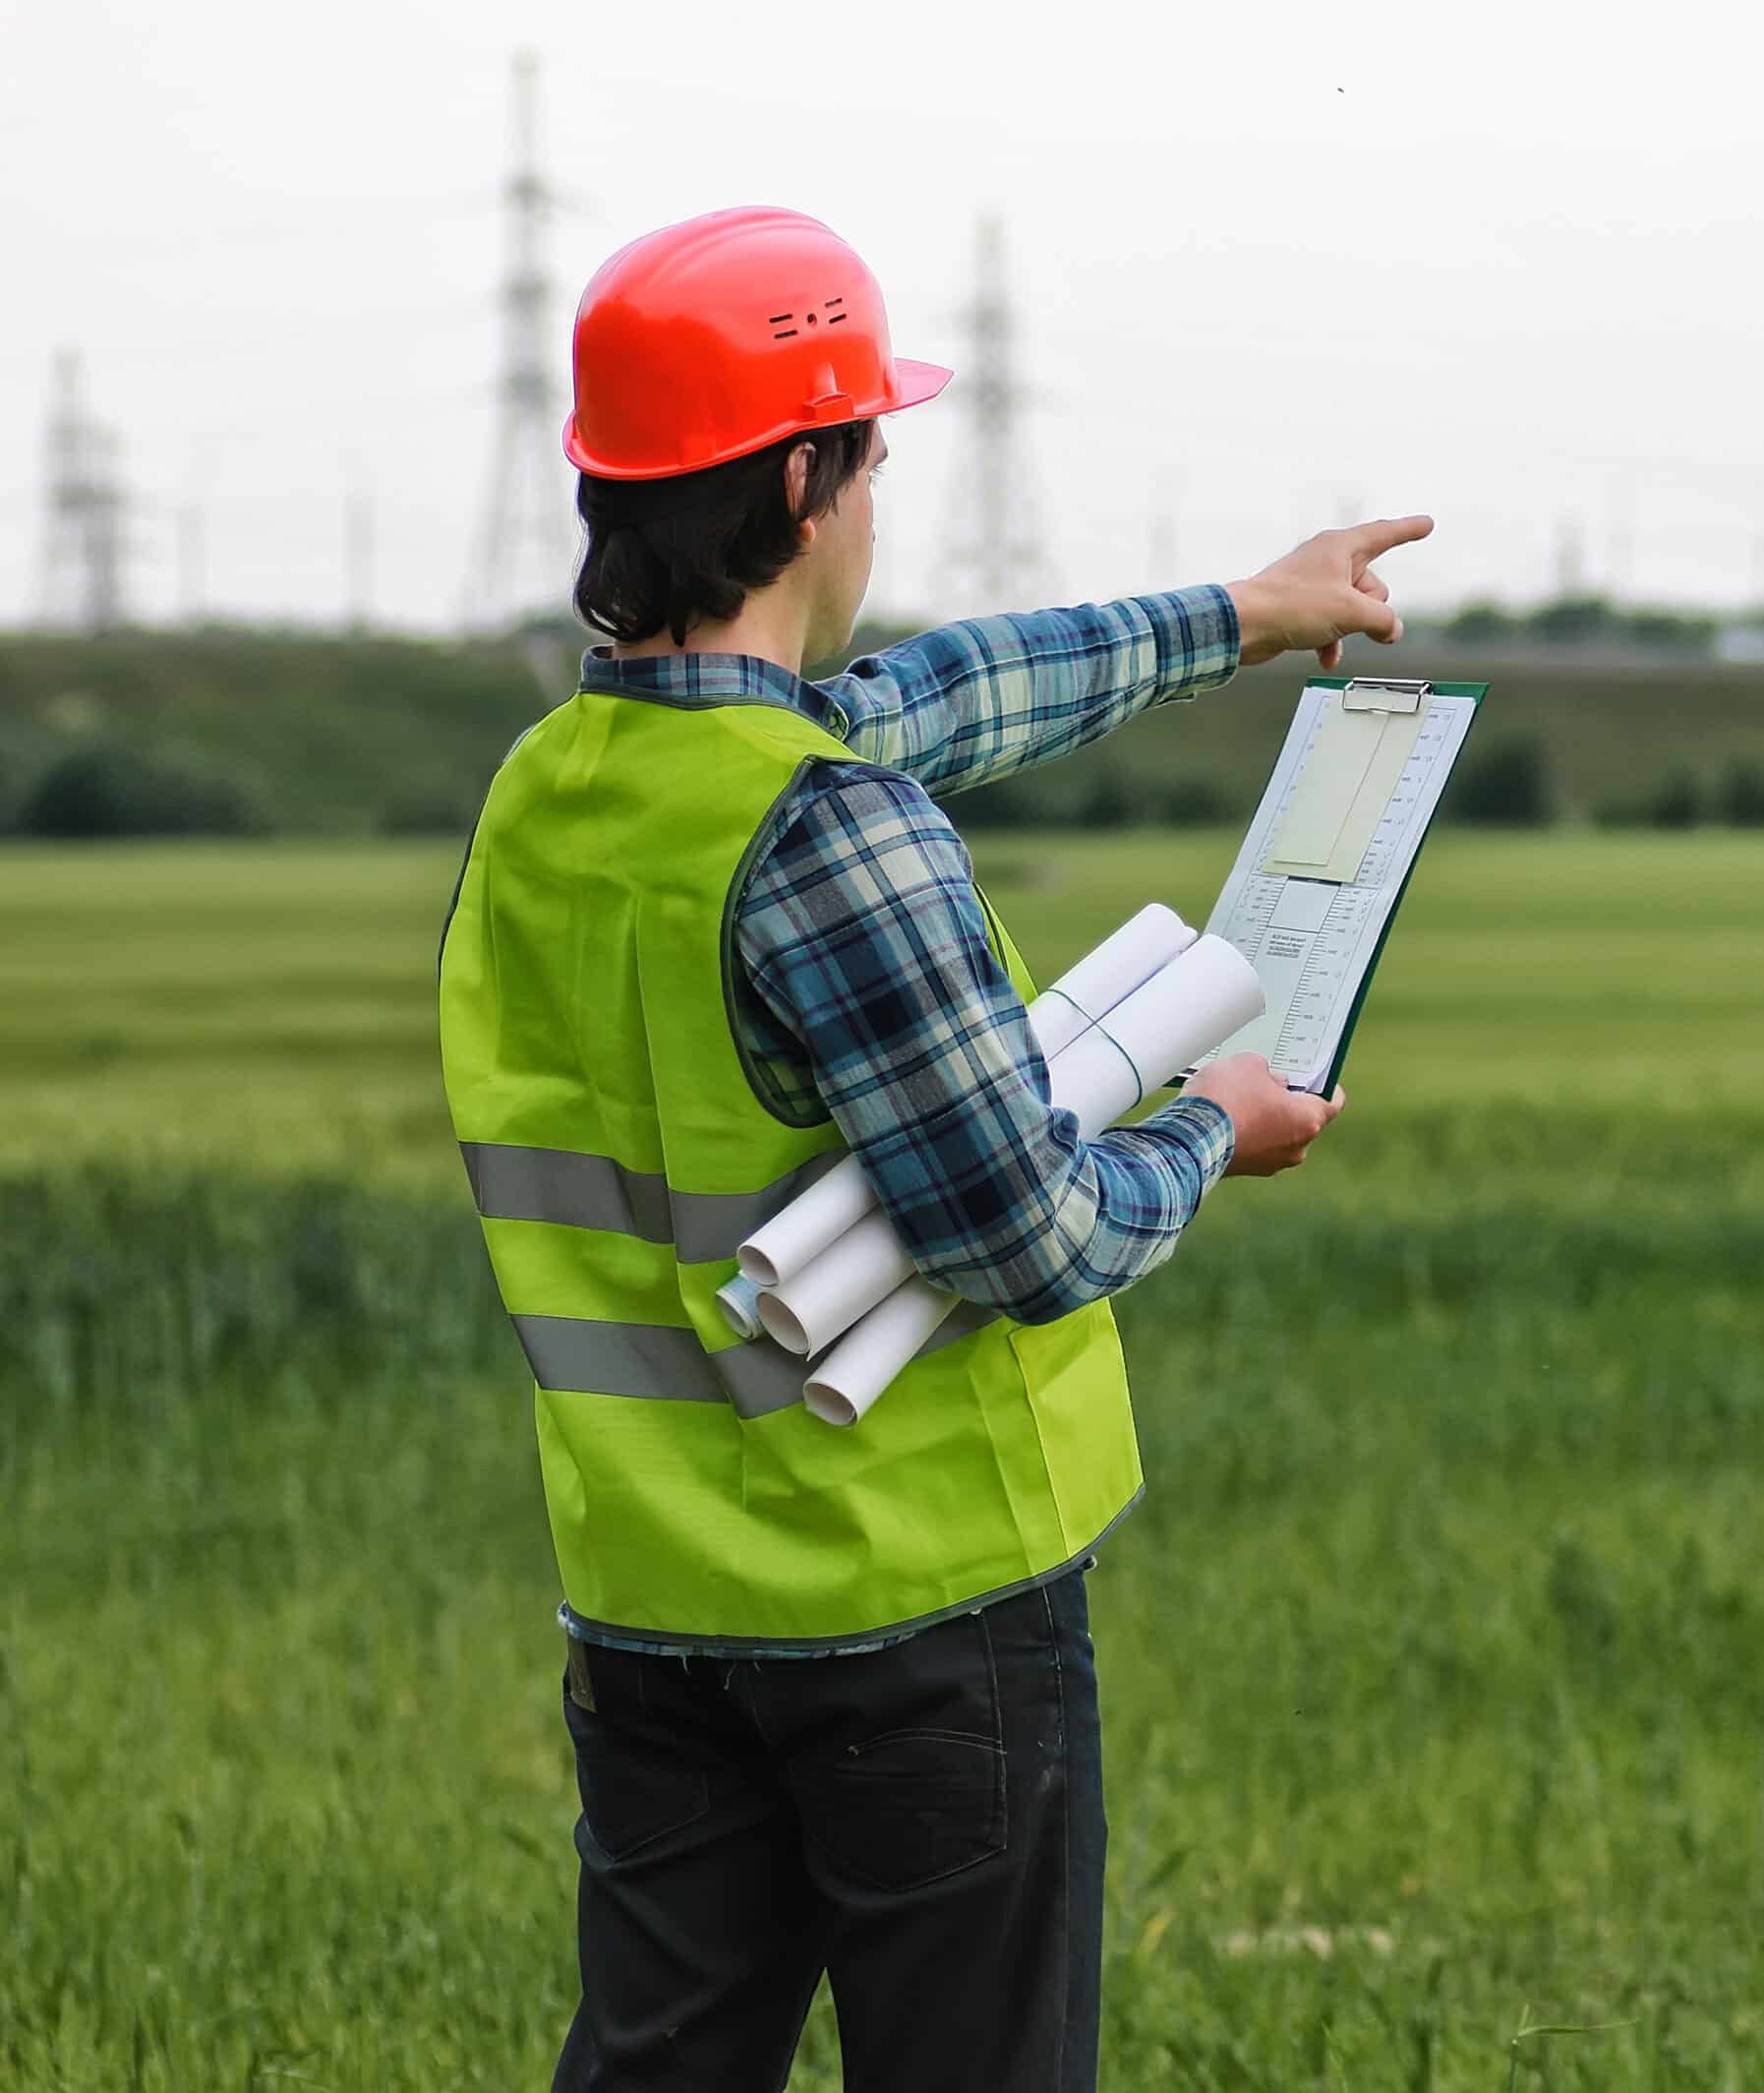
point(1198, 639)
point(1205, 1130)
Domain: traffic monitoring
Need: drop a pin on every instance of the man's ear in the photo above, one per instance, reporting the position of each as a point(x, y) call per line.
point(796, 477)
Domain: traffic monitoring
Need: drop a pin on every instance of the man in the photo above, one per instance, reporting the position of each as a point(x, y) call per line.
point(831, 1694)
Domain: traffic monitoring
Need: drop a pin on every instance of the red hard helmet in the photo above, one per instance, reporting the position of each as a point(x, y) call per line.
point(712, 338)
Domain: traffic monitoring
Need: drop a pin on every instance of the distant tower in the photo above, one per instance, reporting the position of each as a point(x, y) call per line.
point(1620, 537)
point(82, 586)
point(994, 549)
point(520, 557)
point(1570, 560)
point(358, 562)
point(193, 563)
point(1620, 559)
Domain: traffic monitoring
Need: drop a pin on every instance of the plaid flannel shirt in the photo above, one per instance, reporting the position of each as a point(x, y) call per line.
point(869, 984)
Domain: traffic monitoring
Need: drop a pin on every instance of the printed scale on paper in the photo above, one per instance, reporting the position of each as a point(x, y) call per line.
point(1323, 863)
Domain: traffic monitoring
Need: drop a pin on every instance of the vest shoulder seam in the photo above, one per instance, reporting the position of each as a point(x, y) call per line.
point(689, 701)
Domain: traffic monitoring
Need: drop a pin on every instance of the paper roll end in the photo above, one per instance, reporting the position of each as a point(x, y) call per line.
point(828, 1404)
point(782, 1326)
point(736, 1310)
point(756, 1266)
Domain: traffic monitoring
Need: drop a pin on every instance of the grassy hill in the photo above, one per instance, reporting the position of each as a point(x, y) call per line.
point(303, 734)
point(310, 734)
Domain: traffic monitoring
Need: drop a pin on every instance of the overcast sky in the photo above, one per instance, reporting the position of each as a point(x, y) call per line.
point(1270, 265)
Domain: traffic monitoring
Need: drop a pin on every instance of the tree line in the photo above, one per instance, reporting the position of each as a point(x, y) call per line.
point(240, 733)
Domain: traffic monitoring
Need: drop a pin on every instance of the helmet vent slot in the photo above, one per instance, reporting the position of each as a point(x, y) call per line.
point(783, 333)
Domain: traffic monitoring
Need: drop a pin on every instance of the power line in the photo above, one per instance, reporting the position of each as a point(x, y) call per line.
point(316, 219)
point(432, 320)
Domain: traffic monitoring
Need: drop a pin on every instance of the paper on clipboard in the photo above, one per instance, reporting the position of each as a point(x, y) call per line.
point(1324, 862)
point(1354, 764)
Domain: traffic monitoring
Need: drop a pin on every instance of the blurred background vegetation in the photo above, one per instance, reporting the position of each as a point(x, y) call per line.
point(236, 732)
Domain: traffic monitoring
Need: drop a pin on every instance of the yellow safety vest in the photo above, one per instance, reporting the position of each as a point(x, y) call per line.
point(619, 1153)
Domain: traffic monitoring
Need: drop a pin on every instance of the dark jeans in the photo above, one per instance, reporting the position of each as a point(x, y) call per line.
point(923, 1823)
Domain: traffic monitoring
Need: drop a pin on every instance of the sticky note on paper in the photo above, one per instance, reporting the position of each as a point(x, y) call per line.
point(1351, 768)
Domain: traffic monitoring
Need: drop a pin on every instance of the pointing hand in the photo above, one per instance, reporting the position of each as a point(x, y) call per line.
point(1322, 591)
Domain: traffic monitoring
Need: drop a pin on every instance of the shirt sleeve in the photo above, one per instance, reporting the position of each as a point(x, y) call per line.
point(862, 933)
point(982, 697)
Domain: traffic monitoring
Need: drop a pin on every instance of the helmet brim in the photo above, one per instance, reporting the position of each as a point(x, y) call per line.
point(916, 382)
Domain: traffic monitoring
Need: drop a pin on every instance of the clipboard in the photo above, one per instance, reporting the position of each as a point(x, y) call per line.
point(1330, 854)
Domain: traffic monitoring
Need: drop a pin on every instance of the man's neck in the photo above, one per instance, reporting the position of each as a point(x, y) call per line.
point(775, 632)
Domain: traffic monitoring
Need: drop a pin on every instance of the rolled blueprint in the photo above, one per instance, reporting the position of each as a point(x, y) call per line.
point(739, 1301)
point(874, 1349)
point(1124, 961)
point(832, 1290)
point(1143, 946)
point(1181, 1013)
point(811, 1221)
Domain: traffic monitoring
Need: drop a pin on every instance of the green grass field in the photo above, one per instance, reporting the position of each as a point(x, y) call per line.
point(1432, 1665)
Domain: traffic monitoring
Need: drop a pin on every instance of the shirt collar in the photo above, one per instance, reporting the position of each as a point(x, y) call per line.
point(712, 678)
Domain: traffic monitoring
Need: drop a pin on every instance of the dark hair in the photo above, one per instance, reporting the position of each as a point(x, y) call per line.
point(664, 554)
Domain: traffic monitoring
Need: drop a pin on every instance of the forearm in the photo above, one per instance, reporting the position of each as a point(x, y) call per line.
point(862, 937)
point(981, 699)
point(1079, 1221)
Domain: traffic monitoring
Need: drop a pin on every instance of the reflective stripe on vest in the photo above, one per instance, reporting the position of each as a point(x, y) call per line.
point(669, 1366)
point(554, 1184)
point(570, 1355)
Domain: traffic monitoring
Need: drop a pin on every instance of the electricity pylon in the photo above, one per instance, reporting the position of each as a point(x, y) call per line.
point(993, 546)
point(520, 557)
point(82, 552)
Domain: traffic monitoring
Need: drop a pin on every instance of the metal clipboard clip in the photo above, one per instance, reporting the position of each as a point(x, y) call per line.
point(1385, 693)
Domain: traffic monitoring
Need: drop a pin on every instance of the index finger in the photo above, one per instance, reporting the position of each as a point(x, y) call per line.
point(1366, 541)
